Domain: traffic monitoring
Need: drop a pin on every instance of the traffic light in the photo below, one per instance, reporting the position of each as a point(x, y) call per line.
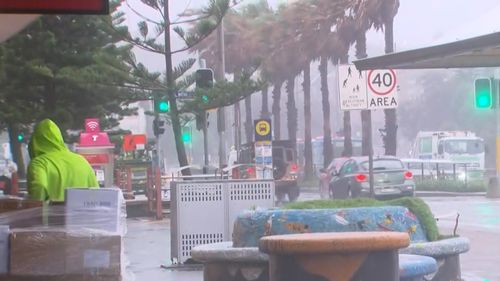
point(204, 78)
point(20, 137)
point(158, 128)
point(161, 105)
point(483, 93)
point(186, 134)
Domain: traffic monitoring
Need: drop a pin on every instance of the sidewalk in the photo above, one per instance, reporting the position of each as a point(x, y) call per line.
point(147, 248)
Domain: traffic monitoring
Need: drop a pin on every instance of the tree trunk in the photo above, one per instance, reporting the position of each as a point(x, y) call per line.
point(291, 110)
point(391, 126)
point(347, 123)
point(174, 113)
point(308, 171)
point(325, 94)
point(248, 119)
point(264, 113)
point(237, 125)
point(365, 114)
point(237, 118)
point(276, 110)
point(16, 150)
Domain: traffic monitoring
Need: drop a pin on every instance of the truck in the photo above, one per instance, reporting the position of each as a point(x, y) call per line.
point(456, 146)
point(285, 167)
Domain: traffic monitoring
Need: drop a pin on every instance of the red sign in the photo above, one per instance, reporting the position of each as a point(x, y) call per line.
point(96, 158)
point(133, 142)
point(54, 6)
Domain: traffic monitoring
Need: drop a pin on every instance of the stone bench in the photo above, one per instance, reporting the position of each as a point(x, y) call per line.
point(251, 226)
point(224, 262)
point(415, 268)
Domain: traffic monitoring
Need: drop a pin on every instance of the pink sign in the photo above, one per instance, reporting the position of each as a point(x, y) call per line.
point(92, 125)
point(93, 135)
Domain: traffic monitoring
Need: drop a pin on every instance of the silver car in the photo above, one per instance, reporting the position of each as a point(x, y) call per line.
point(391, 179)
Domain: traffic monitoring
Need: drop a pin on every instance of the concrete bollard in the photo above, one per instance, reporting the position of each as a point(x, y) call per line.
point(493, 188)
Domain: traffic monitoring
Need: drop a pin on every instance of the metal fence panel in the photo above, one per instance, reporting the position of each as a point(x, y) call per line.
point(203, 212)
point(244, 195)
point(199, 216)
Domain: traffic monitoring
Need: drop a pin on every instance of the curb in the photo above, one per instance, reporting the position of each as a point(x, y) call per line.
point(449, 194)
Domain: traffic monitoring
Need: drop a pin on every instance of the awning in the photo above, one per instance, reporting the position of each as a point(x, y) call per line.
point(482, 51)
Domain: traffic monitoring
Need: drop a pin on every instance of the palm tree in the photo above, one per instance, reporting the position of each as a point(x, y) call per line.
point(390, 9)
point(264, 112)
point(276, 109)
point(380, 14)
point(291, 109)
point(365, 114)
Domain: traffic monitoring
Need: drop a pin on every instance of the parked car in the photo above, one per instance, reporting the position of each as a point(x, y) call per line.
point(391, 179)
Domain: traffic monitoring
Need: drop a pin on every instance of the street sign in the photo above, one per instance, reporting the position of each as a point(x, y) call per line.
point(352, 88)
point(382, 89)
point(134, 142)
point(264, 159)
point(263, 130)
point(185, 95)
point(54, 6)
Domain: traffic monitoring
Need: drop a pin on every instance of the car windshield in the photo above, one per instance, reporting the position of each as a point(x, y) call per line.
point(463, 146)
point(383, 164)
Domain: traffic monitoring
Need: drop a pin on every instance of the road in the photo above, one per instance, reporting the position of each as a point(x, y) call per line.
point(148, 242)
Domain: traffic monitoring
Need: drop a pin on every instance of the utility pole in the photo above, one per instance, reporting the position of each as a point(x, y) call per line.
point(221, 118)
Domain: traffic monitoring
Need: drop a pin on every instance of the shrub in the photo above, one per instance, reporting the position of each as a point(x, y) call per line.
point(451, 185)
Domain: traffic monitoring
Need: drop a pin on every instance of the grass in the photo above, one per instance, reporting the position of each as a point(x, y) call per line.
point(451, 186)
point(416, 205)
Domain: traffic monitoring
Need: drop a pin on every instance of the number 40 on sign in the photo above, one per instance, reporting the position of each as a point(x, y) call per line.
point(382, 89)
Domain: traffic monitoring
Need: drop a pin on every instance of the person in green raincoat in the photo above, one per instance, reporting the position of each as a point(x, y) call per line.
point(53, 167)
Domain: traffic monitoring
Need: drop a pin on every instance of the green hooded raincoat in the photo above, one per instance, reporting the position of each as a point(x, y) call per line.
point(53, 167)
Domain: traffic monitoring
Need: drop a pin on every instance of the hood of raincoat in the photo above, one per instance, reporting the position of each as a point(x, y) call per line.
point(46, 138)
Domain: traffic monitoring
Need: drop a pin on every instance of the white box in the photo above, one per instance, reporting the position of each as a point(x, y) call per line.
point(4, 249)
point(101, 209)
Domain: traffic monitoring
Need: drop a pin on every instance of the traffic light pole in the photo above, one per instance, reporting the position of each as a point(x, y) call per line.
point(158, 150)
point(205, 143)
point(221, 120)
point(496, 101)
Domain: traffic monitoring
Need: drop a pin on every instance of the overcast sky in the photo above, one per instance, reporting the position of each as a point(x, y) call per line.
point(418, 23)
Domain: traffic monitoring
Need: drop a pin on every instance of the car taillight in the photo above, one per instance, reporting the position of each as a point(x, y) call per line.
point(361, 177)
point(408, 175)
point(294, 168)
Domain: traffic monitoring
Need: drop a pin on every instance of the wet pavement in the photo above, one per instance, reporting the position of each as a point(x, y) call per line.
point(148, 242)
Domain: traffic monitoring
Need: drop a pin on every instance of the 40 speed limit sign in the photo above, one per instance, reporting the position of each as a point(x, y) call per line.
point(382, 89)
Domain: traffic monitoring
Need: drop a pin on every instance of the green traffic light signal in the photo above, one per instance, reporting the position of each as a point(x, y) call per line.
point(161, 106)
point(20, 137)
point(204, 98)
point(483, 93)
point(186, 135)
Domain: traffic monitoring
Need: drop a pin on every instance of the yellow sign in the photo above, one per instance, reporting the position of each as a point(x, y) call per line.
point(263, 128)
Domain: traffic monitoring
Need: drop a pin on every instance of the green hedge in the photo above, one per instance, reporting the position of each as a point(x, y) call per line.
point(416, 205)
point(451, 186)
